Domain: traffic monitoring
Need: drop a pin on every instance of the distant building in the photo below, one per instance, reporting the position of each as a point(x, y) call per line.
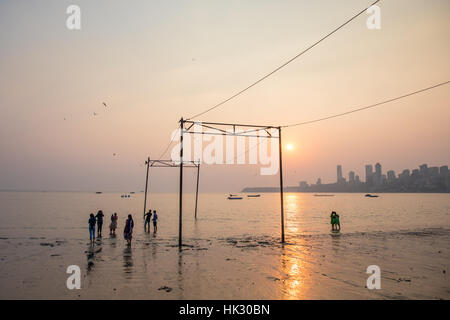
point(391, 176)
point(369, 174)
point(423, 170)
point(319, 181)
point(378, 177)
point(378, 172)
point(339, 174)
point(433, 171)
point(351, 177)
point(443, 171)
point(303, 184)
point(357, 179)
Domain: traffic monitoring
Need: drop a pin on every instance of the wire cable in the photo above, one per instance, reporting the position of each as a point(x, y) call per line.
point(284, 64)
point(367, 107)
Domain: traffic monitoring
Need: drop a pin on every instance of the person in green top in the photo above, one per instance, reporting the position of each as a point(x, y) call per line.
point(332, 220)
point(335, 223)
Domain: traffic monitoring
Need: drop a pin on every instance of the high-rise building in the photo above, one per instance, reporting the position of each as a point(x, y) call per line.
point(319, 181)
point(391, 176)
point(433, 171)
point(369, 174)
point(423, 169)
point(357, 179)
point(378, 172)
point(339, 173)
point(443, 171)
point(351, 177)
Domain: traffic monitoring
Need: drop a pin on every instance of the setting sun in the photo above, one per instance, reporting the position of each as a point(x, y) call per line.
point(289, 147)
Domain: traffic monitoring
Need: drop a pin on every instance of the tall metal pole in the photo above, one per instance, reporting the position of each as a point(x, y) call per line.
point(281, 184)
point(180, 223)
point(196, 192)
point(146, 185)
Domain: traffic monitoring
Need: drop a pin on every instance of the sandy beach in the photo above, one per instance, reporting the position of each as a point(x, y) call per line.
point(414, 265)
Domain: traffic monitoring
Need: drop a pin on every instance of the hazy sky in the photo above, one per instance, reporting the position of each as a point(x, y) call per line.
point(153, 62)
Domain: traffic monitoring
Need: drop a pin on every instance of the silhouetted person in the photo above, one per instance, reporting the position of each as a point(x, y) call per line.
point(333, 220)
point(155, 220)
point(113, 225)
point(92, 227)
point(99, 217)
point(147, 217)
point(128, 230)
point(337, 222)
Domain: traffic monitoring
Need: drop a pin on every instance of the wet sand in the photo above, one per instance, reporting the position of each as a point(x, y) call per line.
point(414, 265)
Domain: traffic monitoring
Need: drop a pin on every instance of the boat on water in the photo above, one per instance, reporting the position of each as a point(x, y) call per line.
point(253, 195)
point(324, 195)
point(371, 195)
point(234, 198)
point(98, 192)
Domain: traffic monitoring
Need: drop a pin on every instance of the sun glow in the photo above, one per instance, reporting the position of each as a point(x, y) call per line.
point(289, 146)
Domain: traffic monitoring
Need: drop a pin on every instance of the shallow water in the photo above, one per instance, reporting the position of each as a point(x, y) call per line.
point(232, 251)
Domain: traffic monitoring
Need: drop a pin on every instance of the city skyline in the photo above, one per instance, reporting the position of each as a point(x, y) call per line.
point(422, 178)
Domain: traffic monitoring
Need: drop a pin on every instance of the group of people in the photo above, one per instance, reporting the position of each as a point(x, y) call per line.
point(129, 225)
point(148, 218)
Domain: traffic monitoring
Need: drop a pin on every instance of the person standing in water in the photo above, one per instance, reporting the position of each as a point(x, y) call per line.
point(113, 225)
point(92, 227)
point(337, 222)
point(332, 218)
point(147, 218)
point(128, 230)
point(155, 220)
point(99, 217)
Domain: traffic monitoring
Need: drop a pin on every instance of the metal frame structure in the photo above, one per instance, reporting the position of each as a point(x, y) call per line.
point(220, 127)
point(170, 164)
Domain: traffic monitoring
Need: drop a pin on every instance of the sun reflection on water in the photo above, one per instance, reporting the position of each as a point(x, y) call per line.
point(294, 271)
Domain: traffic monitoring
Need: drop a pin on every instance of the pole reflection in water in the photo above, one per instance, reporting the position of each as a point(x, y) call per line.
point(128, 261)
point(180, 273)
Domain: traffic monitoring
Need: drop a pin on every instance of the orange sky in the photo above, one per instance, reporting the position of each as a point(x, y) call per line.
point(153, 62)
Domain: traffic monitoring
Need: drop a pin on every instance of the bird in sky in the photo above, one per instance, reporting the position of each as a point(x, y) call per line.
point(104, 103)
point(95, 113)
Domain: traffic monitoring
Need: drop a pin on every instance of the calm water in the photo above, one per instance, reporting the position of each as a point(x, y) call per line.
point(60, 214)
point(233, 249)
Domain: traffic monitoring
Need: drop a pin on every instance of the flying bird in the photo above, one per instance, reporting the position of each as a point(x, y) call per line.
point(95, 113)
point(104, 103)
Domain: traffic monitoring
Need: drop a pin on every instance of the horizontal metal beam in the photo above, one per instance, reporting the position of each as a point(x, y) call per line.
point(229, 134)
point(231, 124)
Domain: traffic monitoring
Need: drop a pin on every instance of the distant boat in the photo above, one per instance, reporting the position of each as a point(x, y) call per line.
point(233, 195)
point(324, 195)
point(371, 195)
point(234, 198)
point(253, 195)
point(98, 192)
point(132, 192)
